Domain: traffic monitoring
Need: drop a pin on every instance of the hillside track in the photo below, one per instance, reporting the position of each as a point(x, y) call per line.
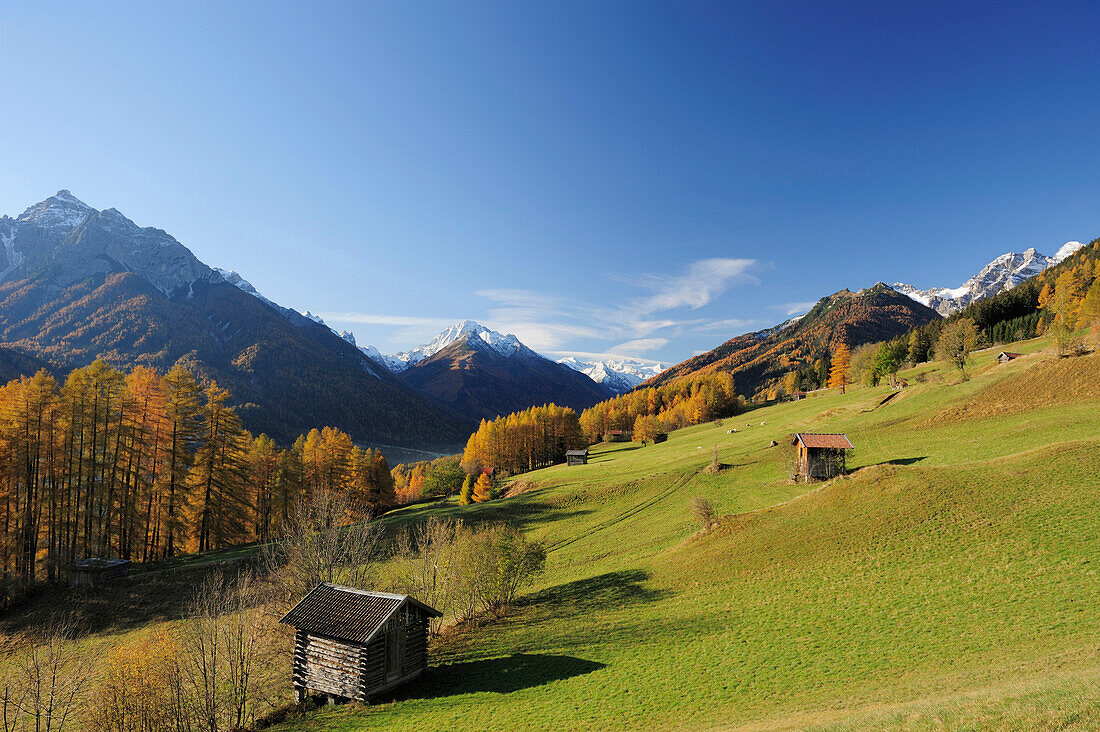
point(624, 515)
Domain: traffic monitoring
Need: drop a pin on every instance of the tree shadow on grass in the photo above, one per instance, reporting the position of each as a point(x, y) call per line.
point(497, 675)
point(611, 589)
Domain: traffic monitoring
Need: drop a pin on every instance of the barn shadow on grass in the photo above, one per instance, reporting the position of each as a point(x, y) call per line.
point(501, 675)
point(895, 461)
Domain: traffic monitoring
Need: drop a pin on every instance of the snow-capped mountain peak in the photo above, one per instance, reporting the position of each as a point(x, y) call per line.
point(1068, 249)
point(620, 375)
point(475, 334)
point(1003, 273)
point(61, 211)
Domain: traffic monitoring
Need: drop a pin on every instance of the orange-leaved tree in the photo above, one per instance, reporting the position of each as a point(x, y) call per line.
point(483, 488)
point(839, 372)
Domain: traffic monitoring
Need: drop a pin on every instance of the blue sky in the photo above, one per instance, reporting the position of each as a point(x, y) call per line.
point(631, 178)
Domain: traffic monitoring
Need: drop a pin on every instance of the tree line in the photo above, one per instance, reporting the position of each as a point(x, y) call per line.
point(140, 466)
point(523, 441)
point(663, 408)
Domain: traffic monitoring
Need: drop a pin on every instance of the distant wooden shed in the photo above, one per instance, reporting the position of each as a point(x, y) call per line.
point(820, 456)
point(660, 437)
point(616, 436)
point(1006, 356)
point(576, 457)
point(95, 571)
point(355, 644)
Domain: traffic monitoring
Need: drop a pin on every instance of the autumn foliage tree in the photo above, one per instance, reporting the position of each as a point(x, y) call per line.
point(957, 340)
point(142, 466)
point(523, 441)
point(483, 488)
point(840, 369)
point(678, 404)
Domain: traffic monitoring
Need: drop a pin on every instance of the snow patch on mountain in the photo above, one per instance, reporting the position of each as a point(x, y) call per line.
point(620, 375)
point(1003, 273)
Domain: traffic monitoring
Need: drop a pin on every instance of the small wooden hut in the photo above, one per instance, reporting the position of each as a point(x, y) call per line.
point(616, 436)
point(355, 644)
point(820, 456)
point(576, 457)
point(95, 571)
point(1006, 356)
point(660, 437)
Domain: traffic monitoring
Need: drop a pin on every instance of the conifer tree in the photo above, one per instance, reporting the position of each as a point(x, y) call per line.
point(840, 368)
point(466, 496)
point(483, 488)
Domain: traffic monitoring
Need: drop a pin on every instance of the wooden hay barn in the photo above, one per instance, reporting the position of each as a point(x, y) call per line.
point(1006, 356)
point(660, 437)
point(576, 457)
point(354, 644)
point(820, 456)
point(616, 436)
point(96, 571)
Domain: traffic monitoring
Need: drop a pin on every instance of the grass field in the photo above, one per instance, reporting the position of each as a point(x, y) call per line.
point(949, 582)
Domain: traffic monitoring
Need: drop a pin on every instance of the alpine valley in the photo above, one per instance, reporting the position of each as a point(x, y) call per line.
point(78, 284)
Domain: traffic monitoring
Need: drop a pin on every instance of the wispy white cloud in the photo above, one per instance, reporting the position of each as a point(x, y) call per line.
point(401, 329)
point(640, 345)
point(602, 356)
point(550, 323)
point(704, 280)
point(790, 309)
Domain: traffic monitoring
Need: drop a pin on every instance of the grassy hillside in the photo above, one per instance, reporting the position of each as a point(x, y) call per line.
point(949, 581)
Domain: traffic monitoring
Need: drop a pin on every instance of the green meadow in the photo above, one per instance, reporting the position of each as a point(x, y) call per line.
point(950, 581)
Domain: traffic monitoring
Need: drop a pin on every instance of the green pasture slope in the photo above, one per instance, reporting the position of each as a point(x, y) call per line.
point(951, 581)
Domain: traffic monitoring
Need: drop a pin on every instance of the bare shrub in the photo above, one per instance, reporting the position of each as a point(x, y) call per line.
point(46, 686)
point(321, 542)
point(428, 567)
point(703, 512)
point(220, 651)
point(460, 570)
point(504, 560)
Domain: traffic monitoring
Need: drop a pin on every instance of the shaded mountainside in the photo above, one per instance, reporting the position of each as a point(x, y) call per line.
point(473, 378)
point(853, 318)
point(80, 284)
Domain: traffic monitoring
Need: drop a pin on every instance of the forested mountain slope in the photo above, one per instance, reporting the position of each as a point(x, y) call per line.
point(80, 284)
point(853, 318)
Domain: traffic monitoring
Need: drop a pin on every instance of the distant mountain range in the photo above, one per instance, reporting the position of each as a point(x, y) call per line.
point(620, 375)
point(476, 371)
point(78, 284)
point(1003, 273)
point(615, 375)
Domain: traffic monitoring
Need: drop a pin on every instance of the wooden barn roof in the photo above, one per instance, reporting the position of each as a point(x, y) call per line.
point(836, 442)
point(347, 613)
point(576, 452)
